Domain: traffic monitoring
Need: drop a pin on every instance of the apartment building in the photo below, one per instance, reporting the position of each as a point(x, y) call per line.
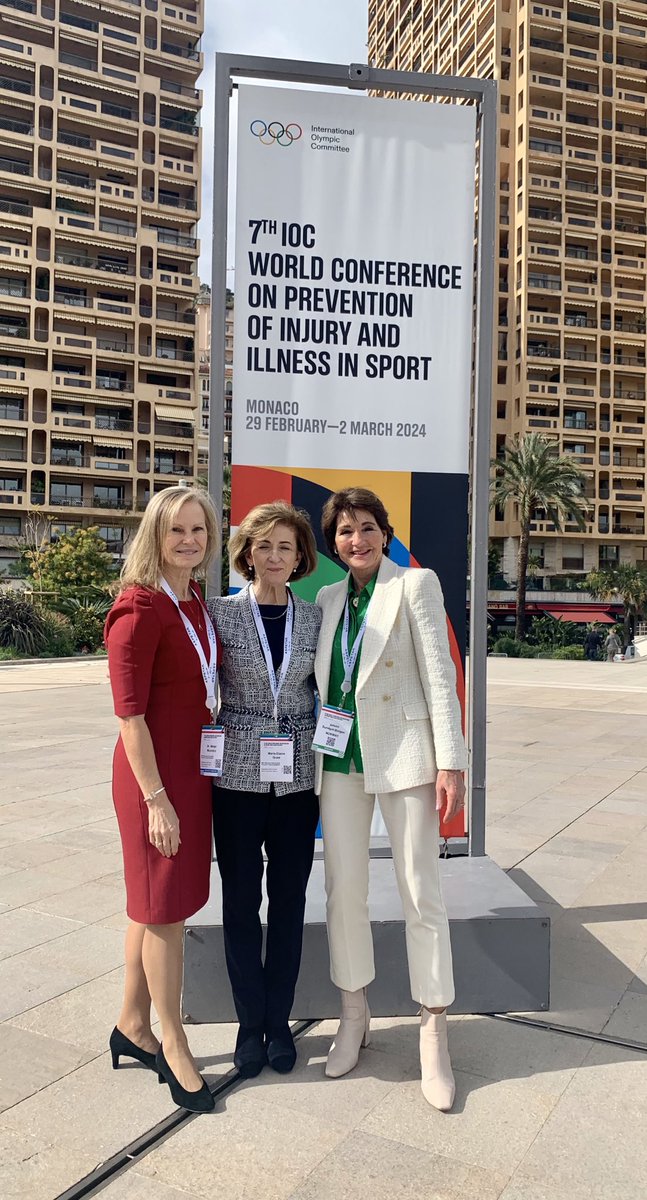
point(99, 199)
point(204, 353)
point(571, 245)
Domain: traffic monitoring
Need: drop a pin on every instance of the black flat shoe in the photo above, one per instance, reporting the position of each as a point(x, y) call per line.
point(199, 1102)
point(250, 1056)
point(281, 1050)
point(121, 1045)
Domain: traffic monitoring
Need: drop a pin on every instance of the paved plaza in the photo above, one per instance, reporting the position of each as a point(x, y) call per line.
point(539, 1115)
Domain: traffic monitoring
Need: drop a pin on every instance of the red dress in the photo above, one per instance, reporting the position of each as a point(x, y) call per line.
point(155, 671)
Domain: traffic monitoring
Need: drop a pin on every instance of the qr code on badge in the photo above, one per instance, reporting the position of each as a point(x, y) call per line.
point(287, 770)
point(330, 740)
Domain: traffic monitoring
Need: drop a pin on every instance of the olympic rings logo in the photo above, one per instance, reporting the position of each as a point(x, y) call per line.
point(275, 133)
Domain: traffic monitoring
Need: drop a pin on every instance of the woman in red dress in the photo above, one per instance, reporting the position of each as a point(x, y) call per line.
point(162, 658)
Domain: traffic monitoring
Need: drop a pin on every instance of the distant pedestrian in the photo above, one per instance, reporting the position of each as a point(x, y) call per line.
point(612, 645)
point(592, 644)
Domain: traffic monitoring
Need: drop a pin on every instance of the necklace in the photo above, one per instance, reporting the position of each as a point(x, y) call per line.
point(278, 615)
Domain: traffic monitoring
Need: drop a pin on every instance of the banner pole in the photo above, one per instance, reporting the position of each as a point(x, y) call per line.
point(480, 508)
point(218, 299)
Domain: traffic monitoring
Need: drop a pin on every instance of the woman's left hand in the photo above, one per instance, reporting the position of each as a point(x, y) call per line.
point(450, 793)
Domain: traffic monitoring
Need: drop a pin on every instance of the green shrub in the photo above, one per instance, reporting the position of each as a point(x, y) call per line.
point(97, 605)
point(87, 629)
point(527, 651)
point(568, 652)
point(21, 625)
point(507, 645)
point(59, 635)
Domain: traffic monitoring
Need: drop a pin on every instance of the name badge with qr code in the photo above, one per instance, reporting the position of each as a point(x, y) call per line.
point(333, 731)
point(277, 759)
point(212, 749)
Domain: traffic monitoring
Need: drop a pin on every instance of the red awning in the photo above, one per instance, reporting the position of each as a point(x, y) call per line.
point(581, 616)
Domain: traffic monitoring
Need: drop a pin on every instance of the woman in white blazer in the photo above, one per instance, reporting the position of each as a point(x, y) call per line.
point(383, 656)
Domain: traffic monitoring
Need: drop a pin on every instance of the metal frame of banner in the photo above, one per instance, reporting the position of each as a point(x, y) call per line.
point(359, 77)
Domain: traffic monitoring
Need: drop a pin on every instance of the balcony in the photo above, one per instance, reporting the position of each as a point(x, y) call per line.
point(106, 383)
point(108, 502)
point(171, 48)
point(61, 458)
point(115, 346)
point(17, 207)
point(93, 264)
point(15, 166)
point(71, 179)
point(9, 84)
point(64, 501)
point(179, 89)
point(78, 22)
point(114, 423)
point(185, 127)
point(169, 238)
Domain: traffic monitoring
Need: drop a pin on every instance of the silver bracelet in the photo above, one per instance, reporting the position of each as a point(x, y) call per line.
point(152, 795)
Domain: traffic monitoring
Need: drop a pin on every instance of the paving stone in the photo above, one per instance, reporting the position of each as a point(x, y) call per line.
point(31, 1062)
point(595, 1137)
point(502, 1050)
point(492, 1125)
point(366, 1167)
point(22, 928)
point(247, 1148)
point(82, 1017)
point(133, 1186)
point(89, 902)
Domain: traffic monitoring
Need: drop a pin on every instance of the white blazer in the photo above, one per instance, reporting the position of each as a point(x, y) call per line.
point(407, 708)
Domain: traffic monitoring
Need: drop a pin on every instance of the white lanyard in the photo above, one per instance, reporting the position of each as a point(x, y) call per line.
point(275, 685)
point(350, 658)
point(209, 669)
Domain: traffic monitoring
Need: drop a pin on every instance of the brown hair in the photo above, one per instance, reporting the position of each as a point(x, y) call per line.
point(259, 522)
point(143, 563)
point(349, 500)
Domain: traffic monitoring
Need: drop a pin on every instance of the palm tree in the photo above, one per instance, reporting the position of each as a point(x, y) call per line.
point(627, 581)
point(533, 475)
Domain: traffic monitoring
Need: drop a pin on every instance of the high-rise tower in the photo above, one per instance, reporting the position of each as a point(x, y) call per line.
point(572, 241)
point(99, 199)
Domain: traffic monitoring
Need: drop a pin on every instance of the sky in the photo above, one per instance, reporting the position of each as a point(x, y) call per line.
point(315, 30)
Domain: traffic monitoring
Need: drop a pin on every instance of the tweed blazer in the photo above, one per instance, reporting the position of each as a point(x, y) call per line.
point(246, 702)
point(408, 712)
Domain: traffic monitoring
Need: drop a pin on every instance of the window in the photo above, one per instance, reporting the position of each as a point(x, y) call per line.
point(12, 287)
point(9, 484)
point(609, 554)
point(67, 493)
point(9, 525)
point(11, 410)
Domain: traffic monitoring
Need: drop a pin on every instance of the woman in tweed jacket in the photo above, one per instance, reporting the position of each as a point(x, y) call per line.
point(405, 746)
point(273, 544)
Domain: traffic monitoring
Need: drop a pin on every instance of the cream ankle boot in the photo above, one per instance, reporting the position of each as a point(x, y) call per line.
point(438, 1085)
point(353, 1033)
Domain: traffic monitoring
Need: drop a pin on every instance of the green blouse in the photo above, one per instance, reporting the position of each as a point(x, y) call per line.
point(357, 611)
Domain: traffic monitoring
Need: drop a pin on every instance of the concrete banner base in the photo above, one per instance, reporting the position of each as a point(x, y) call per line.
point(500, 943)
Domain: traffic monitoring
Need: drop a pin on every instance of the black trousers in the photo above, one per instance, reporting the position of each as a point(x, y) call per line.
point(244, 823)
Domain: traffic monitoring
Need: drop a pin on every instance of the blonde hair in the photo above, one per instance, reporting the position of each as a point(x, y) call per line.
point(260, 522)
point(143, 565)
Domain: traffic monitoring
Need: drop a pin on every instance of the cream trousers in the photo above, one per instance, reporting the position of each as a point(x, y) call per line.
point(412, 824)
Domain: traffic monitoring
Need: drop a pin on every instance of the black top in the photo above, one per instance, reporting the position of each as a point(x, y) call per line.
point(273, 618)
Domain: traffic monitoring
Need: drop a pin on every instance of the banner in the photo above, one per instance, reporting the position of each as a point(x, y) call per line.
point(353, 318)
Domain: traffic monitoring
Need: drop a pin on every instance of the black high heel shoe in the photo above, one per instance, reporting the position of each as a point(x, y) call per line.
point(121, 1045)
point(198, 1102)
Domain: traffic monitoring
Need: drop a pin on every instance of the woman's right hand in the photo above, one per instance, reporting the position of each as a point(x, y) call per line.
point(163, 827)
